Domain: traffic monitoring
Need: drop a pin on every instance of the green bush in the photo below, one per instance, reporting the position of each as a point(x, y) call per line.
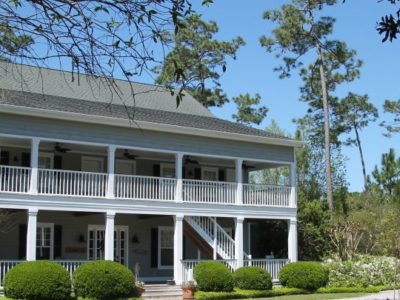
point(33, 280)
point(304, 275)
point(252, 278)
point(103, 280)
point(213, 276)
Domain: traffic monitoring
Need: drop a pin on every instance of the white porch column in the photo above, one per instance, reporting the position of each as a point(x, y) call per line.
point(178, 248)
point(111, 171)
point(34, 165)
point(239, 241)
point(31, 234)
point(239, 180)
point(215, 244)
point(292, 240)
point(109, 236)
point(178, 175)
point(292, 183)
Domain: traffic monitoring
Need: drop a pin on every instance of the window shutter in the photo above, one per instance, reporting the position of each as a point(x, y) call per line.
point(58, 162)
point(22, 241)
point(57, 241)
point(156, 170)
point(4, 158)
point(25, 159)
point(221, 175)
point(197, 173)
point(154, 248)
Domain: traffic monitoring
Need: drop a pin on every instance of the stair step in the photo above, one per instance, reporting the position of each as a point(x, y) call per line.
point(162, 291)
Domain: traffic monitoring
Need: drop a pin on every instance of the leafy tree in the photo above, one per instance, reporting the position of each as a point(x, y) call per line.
point(355, 113)
point(302, 31)
point(388, 176)
point(392, 107)
point(247, 112)
point(99, 38)
point(197, 60)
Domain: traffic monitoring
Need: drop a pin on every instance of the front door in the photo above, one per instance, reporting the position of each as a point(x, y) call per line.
point(96, 240)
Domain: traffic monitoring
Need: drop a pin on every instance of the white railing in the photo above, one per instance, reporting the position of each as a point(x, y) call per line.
point(144, 187)
point(5, 266)
point(272, 266)
point(209, 229)
point(72, 183)
point(203, 191)
point(70, 265)
point(14, 179)
point(266, 195)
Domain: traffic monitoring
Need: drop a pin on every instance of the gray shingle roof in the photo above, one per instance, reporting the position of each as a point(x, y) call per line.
point(54, 103)
point(48, 89)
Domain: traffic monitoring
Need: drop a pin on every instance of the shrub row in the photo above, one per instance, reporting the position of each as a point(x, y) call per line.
point(47, 280)
point(215, 276)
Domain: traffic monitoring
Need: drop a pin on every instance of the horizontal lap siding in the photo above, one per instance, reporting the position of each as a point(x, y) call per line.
point(49, 128)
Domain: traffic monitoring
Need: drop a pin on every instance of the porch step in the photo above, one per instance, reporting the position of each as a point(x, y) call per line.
point(162, 291)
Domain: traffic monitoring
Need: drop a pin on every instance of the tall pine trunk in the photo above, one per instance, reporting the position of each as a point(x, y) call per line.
point(329, 193)
point(362, 157)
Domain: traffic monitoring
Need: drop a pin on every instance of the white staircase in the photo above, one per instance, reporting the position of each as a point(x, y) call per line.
point(162, 292)
point(209, 229)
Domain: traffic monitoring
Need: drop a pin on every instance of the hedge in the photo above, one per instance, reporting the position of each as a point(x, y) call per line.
point(103, 280)
point(33, 280)
point(252, 278)
point(213, 276)
point(304, 275)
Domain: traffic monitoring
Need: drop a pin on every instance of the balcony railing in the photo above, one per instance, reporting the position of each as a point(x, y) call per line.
point(202, 191)
point(144, 187)
point(87, 184)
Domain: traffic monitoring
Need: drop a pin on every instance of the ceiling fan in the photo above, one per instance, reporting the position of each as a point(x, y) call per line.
point(189, 160)
point(129, 155)
point(247, 167)
point(60, 149)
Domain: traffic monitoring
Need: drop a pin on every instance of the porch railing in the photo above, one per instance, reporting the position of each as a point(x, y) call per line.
point(7, 265)
point(144, 187)
point(273, 266)
point(72, 183)
point(266, 195)
point(15, 179)
point(89, 184)
point(203, 191)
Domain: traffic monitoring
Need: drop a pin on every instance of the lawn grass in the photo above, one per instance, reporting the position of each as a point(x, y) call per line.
point(316, 296)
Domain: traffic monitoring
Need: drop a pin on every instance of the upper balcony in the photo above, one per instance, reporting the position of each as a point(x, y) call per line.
point(56, 169)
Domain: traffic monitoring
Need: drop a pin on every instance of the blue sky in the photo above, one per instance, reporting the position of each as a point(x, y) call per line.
point(253, 70)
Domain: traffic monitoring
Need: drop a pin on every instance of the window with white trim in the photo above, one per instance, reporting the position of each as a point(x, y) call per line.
point(165, 247)
point(44, 241)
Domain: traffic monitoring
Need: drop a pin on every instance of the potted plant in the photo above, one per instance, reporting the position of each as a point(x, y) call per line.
point(139, 289)
point(188, 287)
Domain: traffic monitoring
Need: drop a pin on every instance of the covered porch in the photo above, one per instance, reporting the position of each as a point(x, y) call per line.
point(157, 248)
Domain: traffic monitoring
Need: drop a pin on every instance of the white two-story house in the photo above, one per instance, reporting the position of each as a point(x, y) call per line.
point(91, 172)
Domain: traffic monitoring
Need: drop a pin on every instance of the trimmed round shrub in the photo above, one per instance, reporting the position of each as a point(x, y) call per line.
point(304, 275)
point(33, 280)
point(212, 276)
point(103, 279)
point(252, 278)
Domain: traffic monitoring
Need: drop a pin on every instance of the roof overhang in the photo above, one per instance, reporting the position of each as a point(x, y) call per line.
point(71, 116)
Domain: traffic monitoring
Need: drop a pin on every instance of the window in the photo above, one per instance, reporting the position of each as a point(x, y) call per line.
point(167, 170)
point(46, 160)
point(210, 174)
point(44, 241)
point(165, 247)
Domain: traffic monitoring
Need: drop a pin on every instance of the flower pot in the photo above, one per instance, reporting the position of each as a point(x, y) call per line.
point(188, 293)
